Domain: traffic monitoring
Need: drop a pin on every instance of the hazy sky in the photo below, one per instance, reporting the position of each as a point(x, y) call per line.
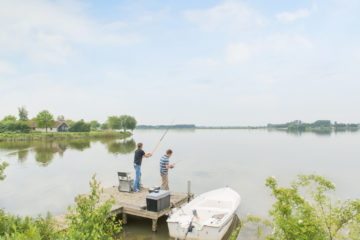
point(203, 62)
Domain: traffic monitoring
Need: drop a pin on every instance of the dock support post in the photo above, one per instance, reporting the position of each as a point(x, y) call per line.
point(189, 190)
point(124, 218)
point(154, 225)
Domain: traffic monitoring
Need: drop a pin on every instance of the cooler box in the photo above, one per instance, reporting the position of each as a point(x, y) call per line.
point(157, 201)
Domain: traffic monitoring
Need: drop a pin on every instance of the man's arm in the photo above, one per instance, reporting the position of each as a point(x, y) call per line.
point(147, 155)
point(170, 166)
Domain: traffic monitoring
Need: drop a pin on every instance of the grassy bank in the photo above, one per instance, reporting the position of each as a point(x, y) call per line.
point(33, 136)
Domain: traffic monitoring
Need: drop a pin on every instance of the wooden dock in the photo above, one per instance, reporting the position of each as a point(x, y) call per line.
point(132, 204)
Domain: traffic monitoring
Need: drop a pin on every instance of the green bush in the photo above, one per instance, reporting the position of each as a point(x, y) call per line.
point(11, 126)
point(309, 210)
point(15, 227)
point(89, 220)
point(80, 126)
point(3, 165)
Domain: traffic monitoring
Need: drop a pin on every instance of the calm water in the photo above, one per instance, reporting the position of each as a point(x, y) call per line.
point(46, 176)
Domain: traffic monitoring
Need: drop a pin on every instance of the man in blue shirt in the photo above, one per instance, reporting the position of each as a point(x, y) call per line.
point(139, 154)
point(164, 168)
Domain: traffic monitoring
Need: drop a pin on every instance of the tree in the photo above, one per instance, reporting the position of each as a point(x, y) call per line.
point(322, 123)
point(114, 122)
point(104, 126)
point(123, 119)
point(14, 126)
point(130, 123)
point(23, 114)
point(60, 118)
point(9, 118)
point(45, 120)
point(94, 125)
point(69, 122)
point(80, 126)
point(124, 122)
point(127, 122)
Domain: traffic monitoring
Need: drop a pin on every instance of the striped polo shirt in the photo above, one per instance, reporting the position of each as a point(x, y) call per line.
point(164, 160)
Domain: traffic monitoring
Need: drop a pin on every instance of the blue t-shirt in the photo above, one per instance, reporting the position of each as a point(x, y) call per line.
point(164, 160)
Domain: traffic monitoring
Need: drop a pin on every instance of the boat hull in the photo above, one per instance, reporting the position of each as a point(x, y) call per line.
point(206, 233)
point(210, 215)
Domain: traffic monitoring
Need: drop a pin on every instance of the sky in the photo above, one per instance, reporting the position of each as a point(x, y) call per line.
point(232, 62)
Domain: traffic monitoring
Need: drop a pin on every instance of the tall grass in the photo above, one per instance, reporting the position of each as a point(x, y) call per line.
point(60, 135)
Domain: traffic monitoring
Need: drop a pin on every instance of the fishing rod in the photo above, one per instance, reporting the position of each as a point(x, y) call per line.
point(162, 137)
point(176, 162)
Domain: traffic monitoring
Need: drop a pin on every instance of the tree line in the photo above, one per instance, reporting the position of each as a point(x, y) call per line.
point(46, 120)
point(302, 126)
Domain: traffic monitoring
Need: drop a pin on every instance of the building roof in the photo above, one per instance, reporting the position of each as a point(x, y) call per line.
point(32, 124)
point(59, 123)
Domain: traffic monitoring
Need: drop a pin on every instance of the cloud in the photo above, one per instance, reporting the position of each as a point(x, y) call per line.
point(284, 42)
point(47, 31)
point(238, 52)
point(6, 68)
point(203, 62)
point(292, 16)
point(274, 45)
point(225, 16)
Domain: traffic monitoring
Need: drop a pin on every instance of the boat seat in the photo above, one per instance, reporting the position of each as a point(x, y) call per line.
point(216, 204)
point(219, 216)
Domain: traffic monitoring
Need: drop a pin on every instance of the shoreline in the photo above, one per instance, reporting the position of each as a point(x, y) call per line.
point(37, 136)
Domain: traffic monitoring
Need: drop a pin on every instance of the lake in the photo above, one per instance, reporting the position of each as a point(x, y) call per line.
point(46, 176)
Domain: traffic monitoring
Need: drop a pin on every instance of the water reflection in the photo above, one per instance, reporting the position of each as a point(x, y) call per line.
point(316, 131)
point(45, 151)
point(121, 146)
point(241, 159)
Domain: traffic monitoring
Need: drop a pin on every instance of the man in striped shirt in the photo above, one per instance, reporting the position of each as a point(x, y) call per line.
point(164, 168)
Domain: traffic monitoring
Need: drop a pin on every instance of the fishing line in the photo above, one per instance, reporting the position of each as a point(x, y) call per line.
point(162, 137)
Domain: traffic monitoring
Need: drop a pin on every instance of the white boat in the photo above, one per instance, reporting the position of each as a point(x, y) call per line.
point(208, 216)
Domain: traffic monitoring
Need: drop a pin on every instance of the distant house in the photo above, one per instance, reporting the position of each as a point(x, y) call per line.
point(33, 125)
point(60, 126)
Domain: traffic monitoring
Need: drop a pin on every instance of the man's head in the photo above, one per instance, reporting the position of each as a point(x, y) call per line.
point(139, 145)
point(169, 152)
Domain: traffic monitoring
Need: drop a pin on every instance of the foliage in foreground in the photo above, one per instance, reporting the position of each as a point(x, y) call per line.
point(310, 210)
point(86, 220)
point(260, 223)
point(15, 227)
point(3, 165)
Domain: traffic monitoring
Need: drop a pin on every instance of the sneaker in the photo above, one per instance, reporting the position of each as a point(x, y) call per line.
point(136, 190)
